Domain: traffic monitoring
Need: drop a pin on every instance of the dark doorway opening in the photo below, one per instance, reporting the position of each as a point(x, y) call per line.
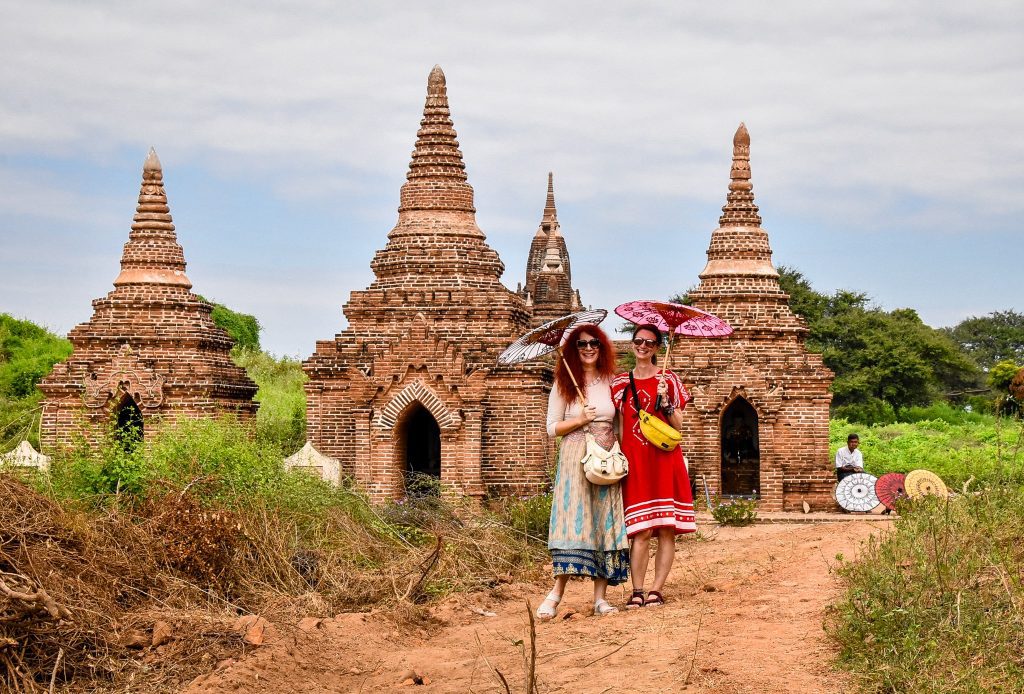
point(129, 423)
point(741, 454)
point(422, 454)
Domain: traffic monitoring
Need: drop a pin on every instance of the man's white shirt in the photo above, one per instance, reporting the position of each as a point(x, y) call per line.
point(846, 457)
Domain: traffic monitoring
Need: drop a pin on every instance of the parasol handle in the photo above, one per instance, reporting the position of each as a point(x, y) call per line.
point(583, 398)
point(668, 355)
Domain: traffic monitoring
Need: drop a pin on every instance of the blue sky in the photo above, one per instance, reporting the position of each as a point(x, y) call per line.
point(886, 147)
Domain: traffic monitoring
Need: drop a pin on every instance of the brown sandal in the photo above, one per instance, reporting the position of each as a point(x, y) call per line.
point(635, 600)
point(654, 599)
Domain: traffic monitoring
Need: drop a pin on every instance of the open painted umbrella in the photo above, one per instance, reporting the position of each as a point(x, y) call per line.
point(674, 319)
point(548, 338)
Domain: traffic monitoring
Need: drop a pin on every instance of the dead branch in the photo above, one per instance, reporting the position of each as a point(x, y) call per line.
point(615, 650)
point(39, 598)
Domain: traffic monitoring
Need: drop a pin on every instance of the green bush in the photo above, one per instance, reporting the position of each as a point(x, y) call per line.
point(934, 605)
point(281, 419)
point(736, 512)
point(984, 447)
point(27, 354)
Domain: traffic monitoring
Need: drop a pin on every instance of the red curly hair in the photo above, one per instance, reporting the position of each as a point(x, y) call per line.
point(605, 361)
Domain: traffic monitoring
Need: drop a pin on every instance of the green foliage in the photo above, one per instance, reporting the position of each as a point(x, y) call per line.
point(934, 605)
point(880, 358)
point(990, 339)
point(953, 444)
point(1001, 375)
point(736, 512)
point(281, 419)
point(529, 515)
point(243, 328)
point(27, 354)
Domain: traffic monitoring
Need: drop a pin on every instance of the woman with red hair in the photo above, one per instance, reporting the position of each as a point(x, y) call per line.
point(587, 535)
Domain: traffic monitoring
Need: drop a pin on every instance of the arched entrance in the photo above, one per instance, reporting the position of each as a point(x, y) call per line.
point(129, 427)
point(421, 441)
point(741, 455)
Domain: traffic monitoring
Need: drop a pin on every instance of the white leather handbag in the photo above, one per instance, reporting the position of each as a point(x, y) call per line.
point(601, 466)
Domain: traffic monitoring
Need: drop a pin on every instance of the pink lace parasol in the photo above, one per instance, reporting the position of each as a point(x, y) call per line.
point(674, 318)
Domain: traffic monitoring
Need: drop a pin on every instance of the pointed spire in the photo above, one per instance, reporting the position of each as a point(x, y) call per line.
point(550, 213)
point(437, 174)
point(740, 209)
point(152, 254)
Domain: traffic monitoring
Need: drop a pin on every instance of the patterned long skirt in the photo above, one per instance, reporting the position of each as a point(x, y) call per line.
point(587, 535)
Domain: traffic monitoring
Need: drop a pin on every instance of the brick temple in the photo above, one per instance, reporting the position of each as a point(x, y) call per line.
point(759, 418)
point(151, 350)
point(412, 385)
point(548, 290)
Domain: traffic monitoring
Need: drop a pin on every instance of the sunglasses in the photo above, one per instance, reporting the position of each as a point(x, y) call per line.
point(592, 344)
point(638, 341)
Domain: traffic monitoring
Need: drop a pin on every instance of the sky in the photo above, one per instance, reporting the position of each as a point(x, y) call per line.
point(886, 144)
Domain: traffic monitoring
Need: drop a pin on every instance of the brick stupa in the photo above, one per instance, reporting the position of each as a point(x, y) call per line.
point(548, 290)
point(759, 419)
point(151, 351)
point(411, 385)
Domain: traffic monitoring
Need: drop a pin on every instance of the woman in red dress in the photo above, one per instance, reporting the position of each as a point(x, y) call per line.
point(656, 493)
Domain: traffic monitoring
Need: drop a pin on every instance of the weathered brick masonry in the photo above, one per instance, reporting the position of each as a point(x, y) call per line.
point(151, 350)
point(759, 419)
point(412, 382)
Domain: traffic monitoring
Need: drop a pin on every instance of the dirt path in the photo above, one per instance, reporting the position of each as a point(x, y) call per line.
point(759, 595)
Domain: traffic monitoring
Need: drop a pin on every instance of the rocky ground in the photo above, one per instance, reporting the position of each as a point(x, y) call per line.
point(744, 614)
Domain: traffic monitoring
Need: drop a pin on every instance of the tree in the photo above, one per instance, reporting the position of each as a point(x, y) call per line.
point(883, 360)
point(243, 328)
point(991, 339)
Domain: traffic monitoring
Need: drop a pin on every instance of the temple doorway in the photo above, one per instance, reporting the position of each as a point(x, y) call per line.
point(741, 455)
point(422, 439)
point(129, 423)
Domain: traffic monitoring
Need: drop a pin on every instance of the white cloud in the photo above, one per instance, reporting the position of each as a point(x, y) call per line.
point(864, 115)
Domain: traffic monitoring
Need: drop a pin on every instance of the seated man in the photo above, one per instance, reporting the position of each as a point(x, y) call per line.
point(848, 459)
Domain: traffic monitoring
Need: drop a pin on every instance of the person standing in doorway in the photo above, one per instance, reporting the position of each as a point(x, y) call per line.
point(656, 492)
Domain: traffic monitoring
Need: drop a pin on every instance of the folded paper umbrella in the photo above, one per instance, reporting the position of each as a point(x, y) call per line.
point(924, 482)
point(547, 338)
point(890, 488)
point(857, 492)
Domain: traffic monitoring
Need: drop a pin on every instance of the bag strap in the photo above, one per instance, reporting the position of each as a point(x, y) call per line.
point(632, 387)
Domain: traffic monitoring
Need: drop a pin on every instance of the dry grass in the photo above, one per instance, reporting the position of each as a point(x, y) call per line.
point(179, 558)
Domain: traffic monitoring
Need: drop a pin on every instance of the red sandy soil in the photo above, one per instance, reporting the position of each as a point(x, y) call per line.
point(745, 613)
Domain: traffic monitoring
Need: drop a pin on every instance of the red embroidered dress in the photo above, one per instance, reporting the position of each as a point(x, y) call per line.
point(656, 492)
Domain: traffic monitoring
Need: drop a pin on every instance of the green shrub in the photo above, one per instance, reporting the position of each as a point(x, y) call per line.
point(281, 419)
point(27, 354)
point(529, 515)
point(986, 448)
point(934, 605)
point(737, 512)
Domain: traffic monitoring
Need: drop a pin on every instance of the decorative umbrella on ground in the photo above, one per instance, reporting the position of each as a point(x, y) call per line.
point(548, 338)
point(857, 492)
point(889, 489)
point(674, 319)
point(920, 483)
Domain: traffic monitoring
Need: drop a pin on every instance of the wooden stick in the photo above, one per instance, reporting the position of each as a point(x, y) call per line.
point(583, 398)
